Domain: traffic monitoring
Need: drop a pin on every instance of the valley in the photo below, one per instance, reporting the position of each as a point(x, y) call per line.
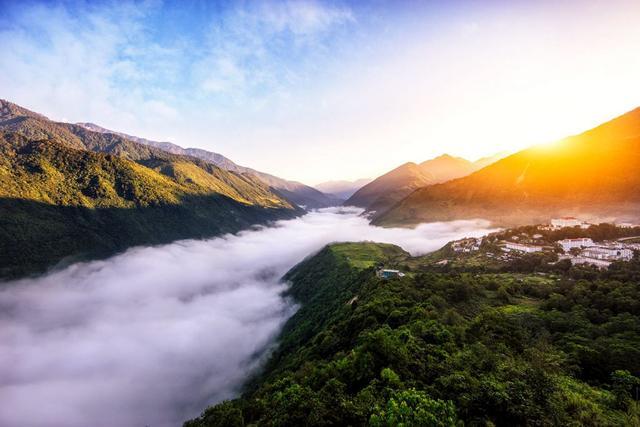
point(164, 331)
point(318, 213)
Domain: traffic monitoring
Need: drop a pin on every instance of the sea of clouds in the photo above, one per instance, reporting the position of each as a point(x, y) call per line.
point(152, 336)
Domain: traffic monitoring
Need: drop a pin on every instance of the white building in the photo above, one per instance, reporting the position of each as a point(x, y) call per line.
point(627, 225)
point(601, 263)
point(520, 247)
point(566, 221)
point(609, 253)
point(568, 244)
point(466, 245)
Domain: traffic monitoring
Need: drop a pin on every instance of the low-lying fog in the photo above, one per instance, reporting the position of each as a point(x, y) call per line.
point(152, 336)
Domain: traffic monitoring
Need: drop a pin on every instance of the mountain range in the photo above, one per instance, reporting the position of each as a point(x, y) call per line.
point(69, 193)
point(296, 192)
point(386, 190)
point(342, 189)
point(591, 175)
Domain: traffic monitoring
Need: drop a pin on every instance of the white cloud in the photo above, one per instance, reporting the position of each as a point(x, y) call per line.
point(152, 336)
point(85, 63)
point(303, 17)
point(254, 45)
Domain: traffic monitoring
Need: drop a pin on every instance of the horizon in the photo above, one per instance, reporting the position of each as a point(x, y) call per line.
point(291, 87)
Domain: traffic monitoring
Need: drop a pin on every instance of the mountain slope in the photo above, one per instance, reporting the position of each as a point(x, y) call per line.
point(594, 174)
point(296, 192)
point(69, 192)
point(438, 345)
point(388, 189)
point(342, 189)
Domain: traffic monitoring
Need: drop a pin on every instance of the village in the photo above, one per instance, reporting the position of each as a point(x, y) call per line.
point(566, 238)
point(578, 250)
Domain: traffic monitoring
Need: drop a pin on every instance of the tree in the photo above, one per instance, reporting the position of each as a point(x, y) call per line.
point(625, 387)
point(415, 408)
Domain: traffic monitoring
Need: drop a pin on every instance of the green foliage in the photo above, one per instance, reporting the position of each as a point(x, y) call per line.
point(438, 347)
point(625, 387)
point(414, 408)
point(59, 202)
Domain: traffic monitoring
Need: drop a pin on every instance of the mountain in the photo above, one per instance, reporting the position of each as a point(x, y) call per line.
point(342, 189)
point(592, 175)
point(386, 190)
point(295, 192)
point(68, 193)
point(448, 346)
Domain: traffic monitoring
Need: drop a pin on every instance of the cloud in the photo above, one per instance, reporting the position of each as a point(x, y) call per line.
point(256, 48)
point(303, 17)
point(87, 62)
point(152, 336)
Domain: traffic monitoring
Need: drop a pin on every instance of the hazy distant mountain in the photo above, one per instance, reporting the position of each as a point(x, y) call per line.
point(342, 189)
point(66, 191)
point(296, 192)
point(592, 175)
point(386, 190)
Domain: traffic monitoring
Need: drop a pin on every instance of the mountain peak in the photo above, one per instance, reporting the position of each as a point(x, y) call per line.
point(590, 174)
point(9, 110)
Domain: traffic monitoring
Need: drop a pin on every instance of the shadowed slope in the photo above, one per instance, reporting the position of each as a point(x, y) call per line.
point(58, 200)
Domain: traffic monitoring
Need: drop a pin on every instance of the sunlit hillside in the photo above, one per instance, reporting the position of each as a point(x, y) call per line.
point(591, 175)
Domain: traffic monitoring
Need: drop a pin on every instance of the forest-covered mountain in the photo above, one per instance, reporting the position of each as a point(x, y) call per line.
point(593, 174)
point(68, 193)
point(386, 190)
point(518, 343)
point(294, 191)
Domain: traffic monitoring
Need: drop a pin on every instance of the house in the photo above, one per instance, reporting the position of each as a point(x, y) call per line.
point(568, 221)
point(388, 274)
point(520, 247)
point(466, 245)
point(568, 244)
point(600, 263)
point(627, 225)
point(610, 253)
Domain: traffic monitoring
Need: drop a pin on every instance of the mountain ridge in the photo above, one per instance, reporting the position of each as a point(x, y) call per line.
point(391, 187)
point(342, 189)
point(297, 192)
point(70, 193)
point(590, 175)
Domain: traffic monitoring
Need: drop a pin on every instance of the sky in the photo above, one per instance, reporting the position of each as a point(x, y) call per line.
point(320, 90)
point(77, 348)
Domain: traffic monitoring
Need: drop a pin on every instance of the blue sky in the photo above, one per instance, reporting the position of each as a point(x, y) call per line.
point(317, 90)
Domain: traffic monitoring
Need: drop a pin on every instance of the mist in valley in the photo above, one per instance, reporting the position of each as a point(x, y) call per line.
point(154, 335)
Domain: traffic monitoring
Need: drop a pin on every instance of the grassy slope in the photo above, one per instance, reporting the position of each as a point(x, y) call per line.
point(503, 348)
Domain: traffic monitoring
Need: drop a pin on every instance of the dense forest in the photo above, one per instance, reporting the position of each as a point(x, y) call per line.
point(446, 348)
